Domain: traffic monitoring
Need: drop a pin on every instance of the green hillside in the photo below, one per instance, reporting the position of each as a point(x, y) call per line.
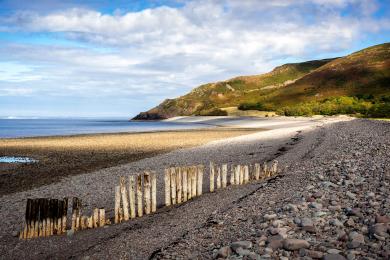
point(357, 83)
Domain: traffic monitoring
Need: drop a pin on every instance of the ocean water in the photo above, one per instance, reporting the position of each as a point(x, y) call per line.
point(11, 128)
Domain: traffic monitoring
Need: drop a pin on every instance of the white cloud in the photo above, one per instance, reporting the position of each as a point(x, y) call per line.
point(166, 51)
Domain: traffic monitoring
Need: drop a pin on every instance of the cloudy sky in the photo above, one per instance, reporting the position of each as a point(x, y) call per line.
point(64, 58)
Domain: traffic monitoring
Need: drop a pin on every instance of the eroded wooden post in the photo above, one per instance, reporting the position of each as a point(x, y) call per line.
point(173, 185)
point(154, 192)
point(132, 196)
point(237, 174)
point(125, 203)
point(246, 173)
point(189, 182)
point(185, 183)
point(95, 218)
point(64, 214)
point(193, 181)
point(90, 222)
point(178, 184)
point(212, 173)
point(199, 179)
point(265, 170)
point(218, 177)
point(232, 175)
point(224, 171)
point(167, 182)
point(274, 167)
point(139, 195)
point(257, 171)
point(117, 203)
point(102, 217)
point(147, 192)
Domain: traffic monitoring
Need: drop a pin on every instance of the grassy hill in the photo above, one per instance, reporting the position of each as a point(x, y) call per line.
point(357, 83)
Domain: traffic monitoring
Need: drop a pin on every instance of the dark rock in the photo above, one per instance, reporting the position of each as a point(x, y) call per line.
point(149, 116)
point(224, 252)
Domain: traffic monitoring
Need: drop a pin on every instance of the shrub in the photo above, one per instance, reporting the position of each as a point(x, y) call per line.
point(213, 112)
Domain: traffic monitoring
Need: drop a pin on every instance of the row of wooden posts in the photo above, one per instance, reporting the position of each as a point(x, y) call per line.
point(136, 196)
point(46, 217)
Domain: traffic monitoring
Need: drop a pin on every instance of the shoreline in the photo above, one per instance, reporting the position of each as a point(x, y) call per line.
point(62, 156)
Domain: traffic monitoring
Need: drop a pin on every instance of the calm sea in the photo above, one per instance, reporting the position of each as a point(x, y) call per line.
point(10, 128)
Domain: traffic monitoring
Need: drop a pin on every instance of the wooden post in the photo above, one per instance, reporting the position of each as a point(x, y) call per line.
point(117, 203)
point(193, 181)
point(95, 218)
point(265, 170)
point(132, 196)
point(199, 179)
point(185, 182)
point(125, 202)
point(27, 229)
point(224, 175)
point(51, 216)
point(241, 172)
point(102, 217)
point(47, 217)
point(212, 173)
point(189, 182)
point(178, 184)
point(90, 222)
point(274, 167)
point(41, 202)
point(147, 192)
point(83, 224)
point(257, 171)
point(218, 178)
point(232, 175)
point(139, 196)
point(76, 206)
point(237, 174)
point(36, 217)
point(173, 185)
point(246, 173)
point(167, 183)
point(154, 192)
point(59, 216)
point(64, 214)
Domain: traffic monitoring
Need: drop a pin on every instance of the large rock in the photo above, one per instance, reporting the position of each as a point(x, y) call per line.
point(149, 116)
point(334, 257)
point(295, 244)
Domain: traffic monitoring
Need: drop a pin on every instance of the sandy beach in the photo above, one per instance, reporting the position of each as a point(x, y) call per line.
point(61, 156)
point(197, 229)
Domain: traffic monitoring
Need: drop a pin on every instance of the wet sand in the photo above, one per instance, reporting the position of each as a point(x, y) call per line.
point(62, 156)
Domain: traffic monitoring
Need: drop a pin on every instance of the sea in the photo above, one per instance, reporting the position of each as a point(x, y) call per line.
point(13, 128)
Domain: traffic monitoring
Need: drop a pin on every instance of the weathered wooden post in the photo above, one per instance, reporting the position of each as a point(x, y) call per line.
point(75, 213)
point(154, 192)
point(193, 181)
point(64, 214)
point(274, 167)
point(125, 203)
point(189, 182)
point(90, 222)
point(232, 175)
point(178, 184)
point(117, 203)
point(224, 175)
point(199, 179)
point(167, 181)
point(212, 173)
point(147, 192)
point(241, 172)
point(246, 173)
point(265, 170)
point(173, 185)
point(257, 171)
point(132, 196)
point(102, 217)
point(237, 174)
point(95, 218)
point(185, 183)
point(139, 195)
point(218, 178)
point(47, 217)
point(27, 229)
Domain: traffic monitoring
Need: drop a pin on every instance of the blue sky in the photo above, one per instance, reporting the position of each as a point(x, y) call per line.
point(117, 58)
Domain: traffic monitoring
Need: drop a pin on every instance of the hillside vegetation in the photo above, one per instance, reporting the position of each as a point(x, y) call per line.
point(355, 84)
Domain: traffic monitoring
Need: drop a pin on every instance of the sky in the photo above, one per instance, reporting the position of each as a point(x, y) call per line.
point(95, 58)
